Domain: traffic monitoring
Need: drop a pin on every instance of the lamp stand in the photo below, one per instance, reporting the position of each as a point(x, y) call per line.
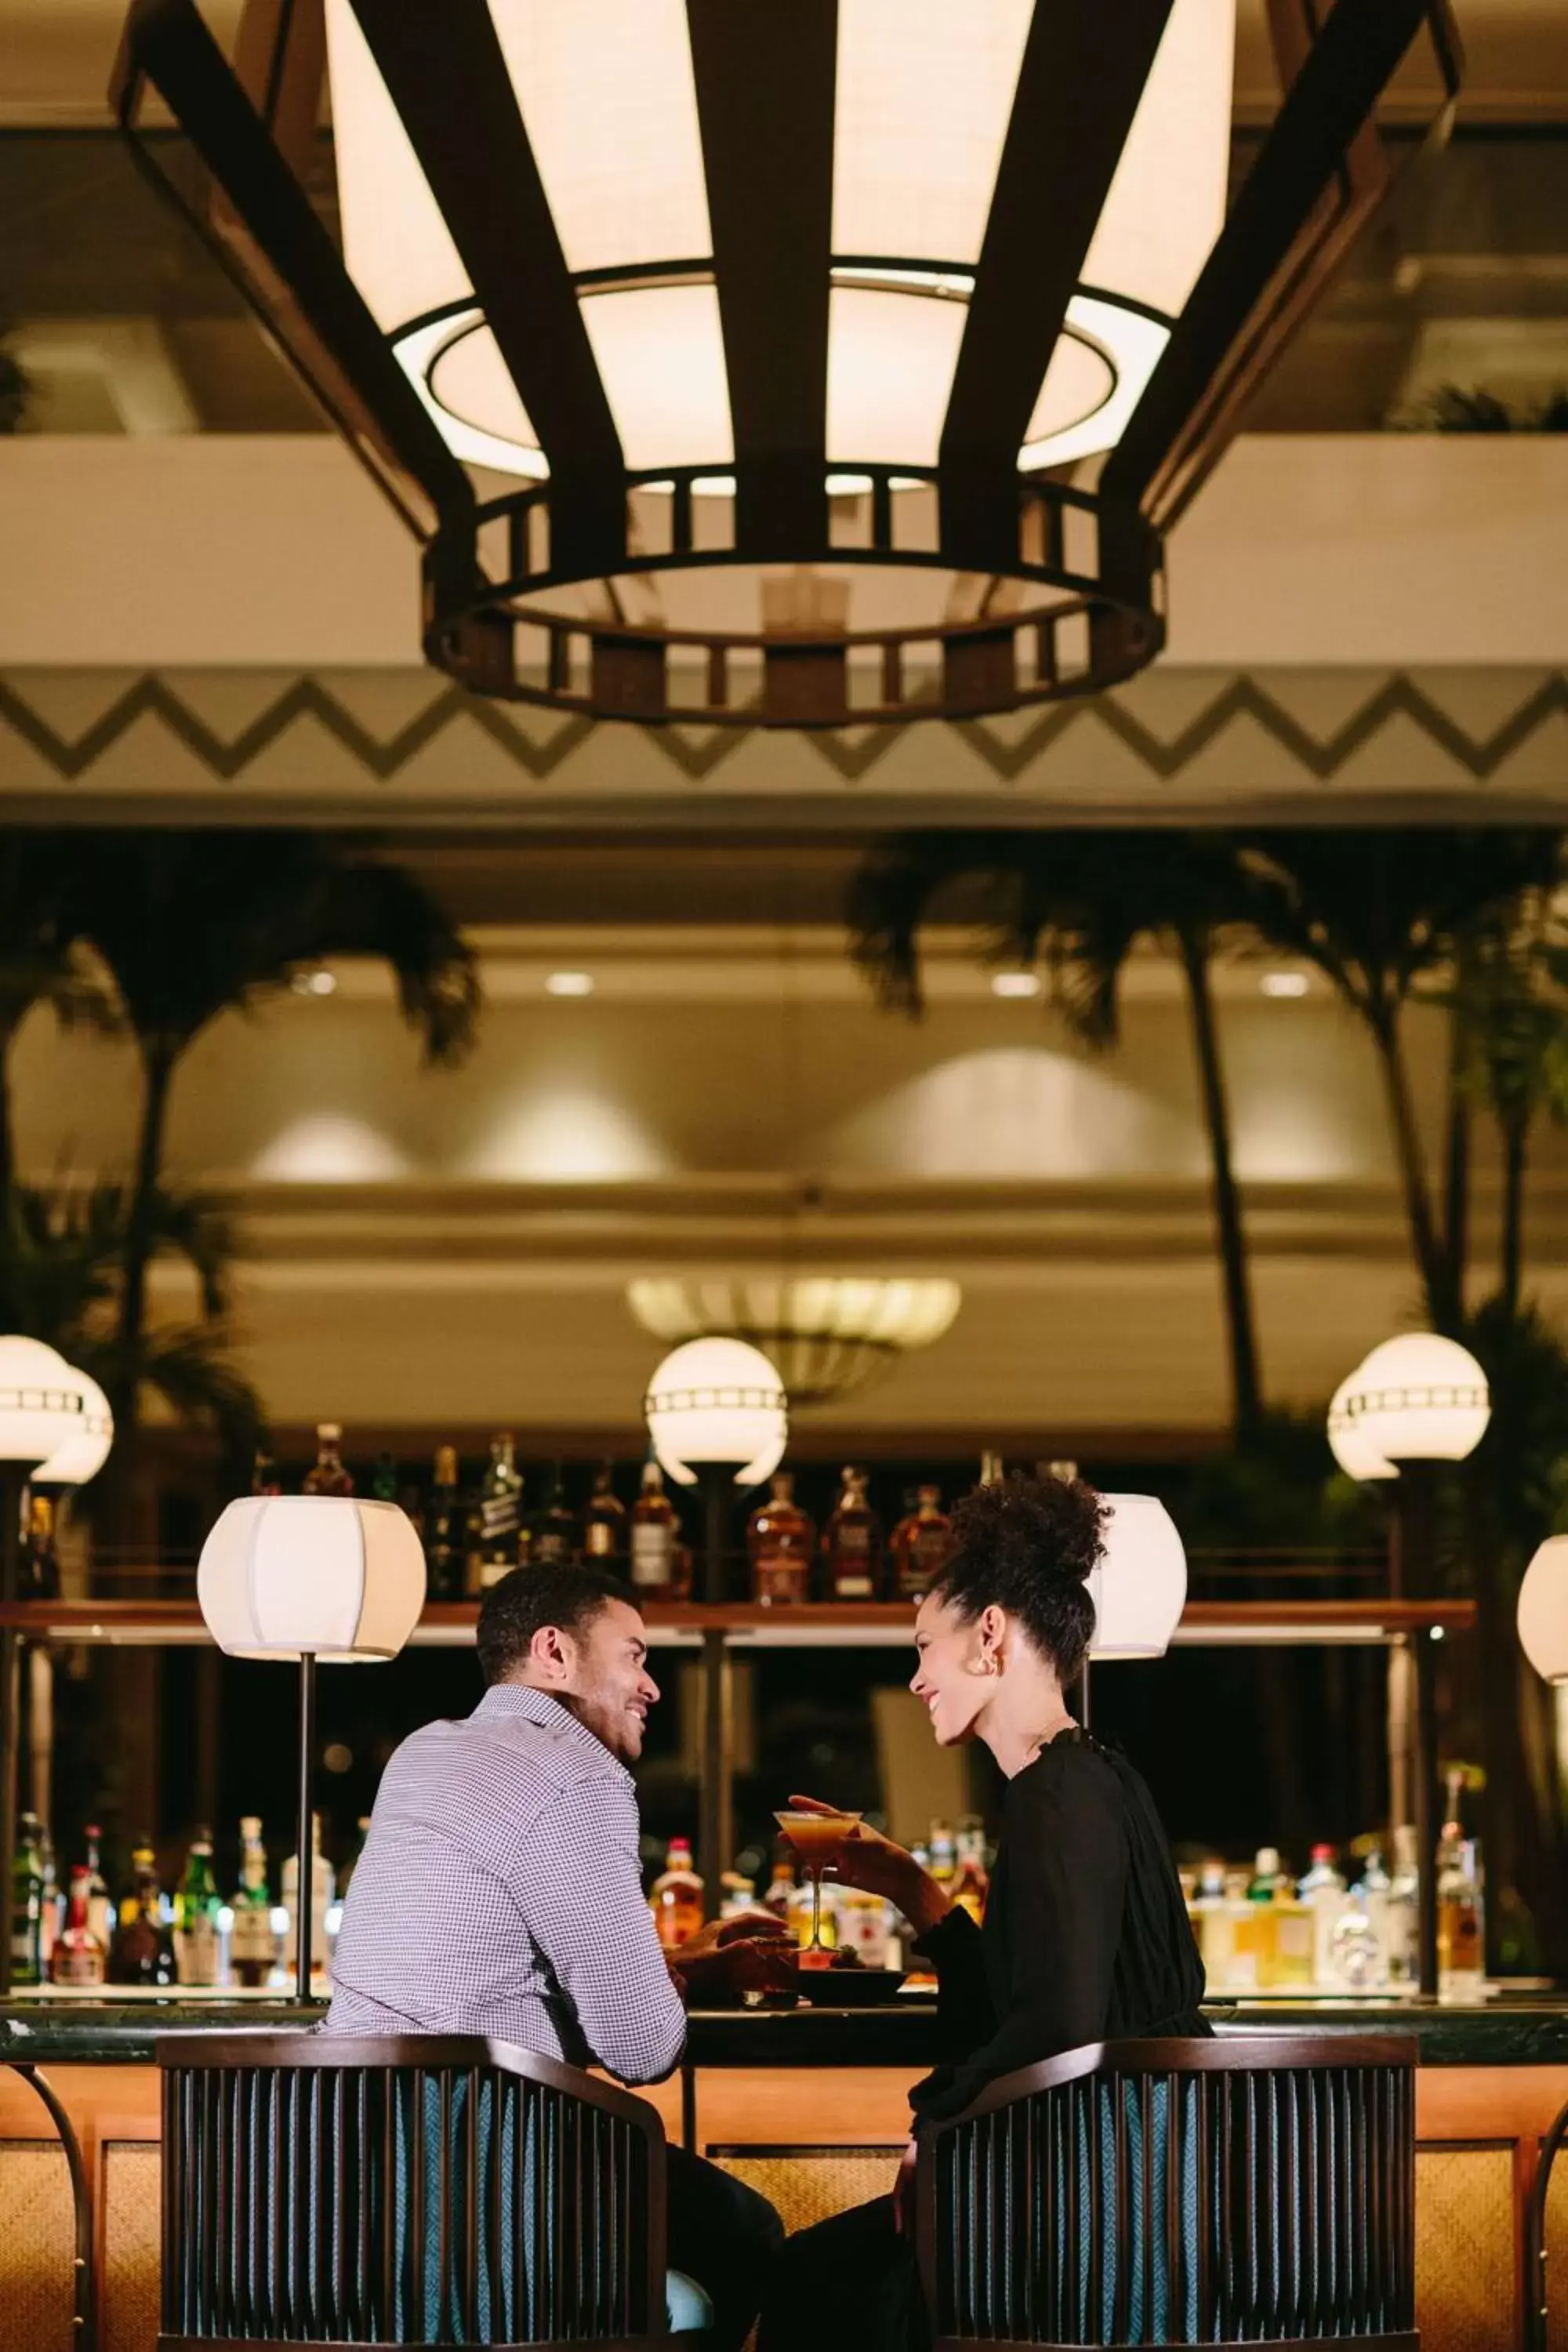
point(13, 1476)
point(305, 1887)
point(717, 1483)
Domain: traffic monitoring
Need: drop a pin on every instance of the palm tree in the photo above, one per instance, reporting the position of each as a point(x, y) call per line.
point(1377, 912)
point(40, 962)
point(195, 924)
point(1081, 901)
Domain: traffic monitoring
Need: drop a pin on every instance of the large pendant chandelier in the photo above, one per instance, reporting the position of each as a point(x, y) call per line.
point(827, 1335)
point(798, 364)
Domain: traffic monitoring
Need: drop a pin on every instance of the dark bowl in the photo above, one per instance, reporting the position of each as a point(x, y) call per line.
point(849, 1987)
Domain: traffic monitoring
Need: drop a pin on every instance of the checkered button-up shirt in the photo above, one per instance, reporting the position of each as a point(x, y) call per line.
point(498, 1893)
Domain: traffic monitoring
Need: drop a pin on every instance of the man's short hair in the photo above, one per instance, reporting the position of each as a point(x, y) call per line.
point(561, 1594)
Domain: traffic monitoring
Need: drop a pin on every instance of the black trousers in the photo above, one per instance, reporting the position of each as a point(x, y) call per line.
point(723, 2235)
point(849, 2285)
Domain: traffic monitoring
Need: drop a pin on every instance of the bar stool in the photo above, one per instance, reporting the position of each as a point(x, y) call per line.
point(1214, 2193)
point(321, 2189)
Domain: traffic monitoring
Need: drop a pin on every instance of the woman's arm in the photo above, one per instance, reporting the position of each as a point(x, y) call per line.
point(1066, 1879)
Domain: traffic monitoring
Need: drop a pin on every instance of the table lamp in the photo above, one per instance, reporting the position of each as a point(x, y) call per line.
point(306, 1578)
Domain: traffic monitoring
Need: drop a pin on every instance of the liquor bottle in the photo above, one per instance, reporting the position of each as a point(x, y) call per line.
point(384, 1484)
point(327, 1474)
point(1401, 1935)
point(921, 1545)
point(656, 1532)
point(49, 1918)
point(500, 1513)
point(993, 1470)
point(1323, 1892)
point(143, 1951)
point(100, 1909)
point(40, 1578)
point(852, 1544)
point(264, 1478)
point(781, 1541)
point(1355, 1953)
point(79, 1958)
point(27, 1905)
point(971, 1886)
point(1374, 1890)
point(252, 1946)
point(321, 1889)
point(444, 1528)
point(605, 1521)
point(675, 1897)
point(780, 1887)
point(1257, 1933)
point(944, 1848)
point(1212, 1925)
point(196, 1906)
point(552, 1531)
point(1461, 1923)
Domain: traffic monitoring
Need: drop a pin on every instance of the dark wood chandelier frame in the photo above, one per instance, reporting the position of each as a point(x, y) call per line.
point(1040, 627)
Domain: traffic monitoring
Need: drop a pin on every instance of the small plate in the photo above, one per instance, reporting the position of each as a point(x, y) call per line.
point(849, 1987)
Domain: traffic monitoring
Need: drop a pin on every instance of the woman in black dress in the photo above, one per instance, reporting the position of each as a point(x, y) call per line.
point(1086, 1935)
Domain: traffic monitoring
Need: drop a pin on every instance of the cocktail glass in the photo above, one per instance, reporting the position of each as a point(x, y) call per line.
point(816, 1839)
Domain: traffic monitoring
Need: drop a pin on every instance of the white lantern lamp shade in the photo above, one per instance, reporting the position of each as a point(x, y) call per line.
point(87, 1449)
point(1543, 1610)
point(1351, 1443)
point(717, 1401)
point(43, 1401)
point(329, 1576)
point(1418, 1397)
point(1140, 1588)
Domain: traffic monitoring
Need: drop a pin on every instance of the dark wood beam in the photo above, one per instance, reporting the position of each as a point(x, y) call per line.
point(765, 82)
point(449, 81)
point(1084, 70)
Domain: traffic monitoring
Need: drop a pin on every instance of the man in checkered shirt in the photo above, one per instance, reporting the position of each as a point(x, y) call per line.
point(499, 1892)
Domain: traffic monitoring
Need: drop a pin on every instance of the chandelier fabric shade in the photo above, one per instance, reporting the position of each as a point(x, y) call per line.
point(828, 1335)
point(323, 1576)
point(1140, 1588)
point(757, 365)
point(1416, 1398)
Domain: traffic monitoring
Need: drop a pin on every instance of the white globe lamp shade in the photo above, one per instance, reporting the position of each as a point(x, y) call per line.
point(717, 1401)
point(1543, 1610)
point(1140, 1588)
point(327, 1576)
point(1419, 1398)
point(87, 1449)
point(43, 1401)
point(1351, 1443)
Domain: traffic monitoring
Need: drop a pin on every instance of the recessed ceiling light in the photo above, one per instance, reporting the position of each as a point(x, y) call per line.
point(1284, 983)
point(1014, 983)
point(569, 983)
point(319, 981)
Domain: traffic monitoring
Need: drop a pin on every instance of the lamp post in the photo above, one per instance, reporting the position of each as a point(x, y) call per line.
point(717, 1417)
point(50, 1414)
point(1414, 1402)
point(303, 1578)
point(1542, 1621)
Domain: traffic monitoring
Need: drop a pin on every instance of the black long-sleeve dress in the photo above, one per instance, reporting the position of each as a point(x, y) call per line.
point(1086, 1940)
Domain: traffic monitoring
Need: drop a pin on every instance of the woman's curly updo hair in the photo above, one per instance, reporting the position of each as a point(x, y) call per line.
point(1027, 1545)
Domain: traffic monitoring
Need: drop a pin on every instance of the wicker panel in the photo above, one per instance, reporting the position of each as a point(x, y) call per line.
point(38, 2248)
point(1557, 2258)
point(131, 2208)
point(808, 2184)
point(1464, 2259)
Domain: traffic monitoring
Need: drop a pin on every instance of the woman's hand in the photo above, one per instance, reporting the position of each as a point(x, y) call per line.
point(867, 1859)
point(753, 1952)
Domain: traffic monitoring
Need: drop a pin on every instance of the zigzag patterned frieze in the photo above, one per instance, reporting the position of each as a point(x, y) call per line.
point(851, 755)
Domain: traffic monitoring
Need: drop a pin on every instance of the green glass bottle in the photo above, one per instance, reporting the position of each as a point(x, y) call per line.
point(384, 1485)
point(252, 1947)
point(196, 1906)
point(27, 1905)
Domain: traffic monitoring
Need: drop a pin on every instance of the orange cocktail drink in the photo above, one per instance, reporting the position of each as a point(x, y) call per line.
point(817, 1839)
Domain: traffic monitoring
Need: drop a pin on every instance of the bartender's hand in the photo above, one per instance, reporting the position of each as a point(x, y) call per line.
point(868, 1860)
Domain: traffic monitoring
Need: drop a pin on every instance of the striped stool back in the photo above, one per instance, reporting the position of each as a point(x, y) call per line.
point(422, 2191)
point(1256, 2186)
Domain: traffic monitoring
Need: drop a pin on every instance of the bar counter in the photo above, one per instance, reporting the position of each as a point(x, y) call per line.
point(810, 2105)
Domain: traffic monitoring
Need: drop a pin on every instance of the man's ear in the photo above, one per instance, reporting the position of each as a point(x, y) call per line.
point(552, 1653)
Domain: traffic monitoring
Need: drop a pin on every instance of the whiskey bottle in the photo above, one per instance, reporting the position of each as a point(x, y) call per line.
point(141, 1950)
point(40, 1578)
point(327, 1474)
point(500, 1513)
point(100, 1909)
point(79, 1958)
point(444, 1528)
point(781, 1540)
point(252, 1946)
point(655, 1536)
point(993, 1470)
point(921, 1545)
point(852, 1544)
point(264, 1478)
point(196, 1906)
point(676, 1898)
point(27, 1905)
point(605, 1521)
point(552, 1531)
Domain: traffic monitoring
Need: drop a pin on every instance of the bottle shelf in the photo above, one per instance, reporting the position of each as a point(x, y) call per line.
point(821, 1625)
